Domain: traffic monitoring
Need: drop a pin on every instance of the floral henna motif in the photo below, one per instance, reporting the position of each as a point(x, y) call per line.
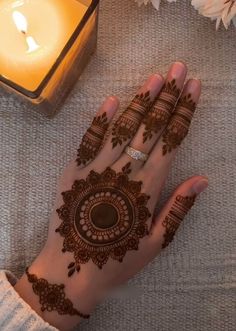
point(103, 217)
point(72, 268)
point(179, 124)
point(52, 296)
point(92, 140)
point(127, 124)
point(160, 114)
point(176, 215)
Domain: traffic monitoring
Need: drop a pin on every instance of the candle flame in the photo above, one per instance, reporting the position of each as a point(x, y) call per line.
point(20, 21)
point(22, 26)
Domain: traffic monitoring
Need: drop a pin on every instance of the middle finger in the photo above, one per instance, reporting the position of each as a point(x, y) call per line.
point(158, 117)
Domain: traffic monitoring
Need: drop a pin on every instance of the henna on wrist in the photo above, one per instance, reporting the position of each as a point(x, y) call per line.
point(179, 124)
point(158, 117)
point(128, 123)
point(52, 296)
point(175, 216)
point(92, 140)
point(103, 216)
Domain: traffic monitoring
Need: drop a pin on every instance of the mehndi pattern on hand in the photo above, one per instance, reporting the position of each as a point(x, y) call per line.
point(176, 215)
point(179, 124)
point(128, 123)
point(92, 140)
point(158, 117)
point(52, 297)
point(103, 216)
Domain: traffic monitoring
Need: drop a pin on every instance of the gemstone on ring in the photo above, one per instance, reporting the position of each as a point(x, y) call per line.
point(135, 154)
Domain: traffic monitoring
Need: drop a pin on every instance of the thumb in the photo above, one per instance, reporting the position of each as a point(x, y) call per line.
point(164, 225)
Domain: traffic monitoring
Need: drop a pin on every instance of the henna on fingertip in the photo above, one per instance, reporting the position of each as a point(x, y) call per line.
point(158, 117)
point(179, 124)
point(128, 123)
point(172, 221)
point(92, 140)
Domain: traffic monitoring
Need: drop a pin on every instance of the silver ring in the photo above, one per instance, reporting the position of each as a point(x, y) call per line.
point(135, 154)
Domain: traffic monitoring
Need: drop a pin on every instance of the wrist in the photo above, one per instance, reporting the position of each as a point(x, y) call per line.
point(77, 289)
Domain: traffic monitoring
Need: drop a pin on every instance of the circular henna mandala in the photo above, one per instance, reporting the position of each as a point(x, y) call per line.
point(103, 216)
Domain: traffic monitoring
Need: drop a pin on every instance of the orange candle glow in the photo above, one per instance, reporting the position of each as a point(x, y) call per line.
point(33, 37)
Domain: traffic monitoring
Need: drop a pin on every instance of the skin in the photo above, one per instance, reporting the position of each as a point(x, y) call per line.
point(51, 264)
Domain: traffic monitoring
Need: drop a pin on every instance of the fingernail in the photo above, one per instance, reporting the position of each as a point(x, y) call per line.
point(154, 85)
point(193, 85)
point(159, 76)
point(177, 70)
point(200, 186)
point(113, 99)
point(111, 103)
point(155, 79)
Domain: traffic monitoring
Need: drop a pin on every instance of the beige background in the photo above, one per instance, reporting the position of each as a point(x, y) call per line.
point(192, 285)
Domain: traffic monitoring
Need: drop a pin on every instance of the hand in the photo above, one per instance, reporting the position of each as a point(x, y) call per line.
point(103, 230)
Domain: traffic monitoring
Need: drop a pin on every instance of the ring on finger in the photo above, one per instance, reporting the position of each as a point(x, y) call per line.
point(136, 154)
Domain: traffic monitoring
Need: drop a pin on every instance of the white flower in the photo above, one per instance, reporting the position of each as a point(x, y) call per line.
point(155, 3)
point(219, 10)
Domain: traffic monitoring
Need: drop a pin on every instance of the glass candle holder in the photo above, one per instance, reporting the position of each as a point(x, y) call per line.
point(45, 45)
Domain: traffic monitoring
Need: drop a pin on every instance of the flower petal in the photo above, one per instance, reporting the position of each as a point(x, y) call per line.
point(156, 3)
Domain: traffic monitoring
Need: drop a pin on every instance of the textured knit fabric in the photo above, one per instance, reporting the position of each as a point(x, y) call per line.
point(15, 314)
point(192, 285)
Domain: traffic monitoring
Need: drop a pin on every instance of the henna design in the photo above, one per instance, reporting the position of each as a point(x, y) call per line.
point(52, 296)
point(160, 114)
point(92, 140)
point(176, 215)
point(179, 124)
point(127, 124)
point(103, 216)
point(126, 169)
point(72, 268)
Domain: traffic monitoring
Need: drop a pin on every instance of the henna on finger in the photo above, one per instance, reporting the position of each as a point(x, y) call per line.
point(159, 116)
point(92, 140)
point(128, 123)
point(179, 124)
point(52, 297)
point(103, 216)
point(175, 216)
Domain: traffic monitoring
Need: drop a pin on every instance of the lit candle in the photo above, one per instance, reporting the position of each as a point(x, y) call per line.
point(33, 35)
point(51, 22)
